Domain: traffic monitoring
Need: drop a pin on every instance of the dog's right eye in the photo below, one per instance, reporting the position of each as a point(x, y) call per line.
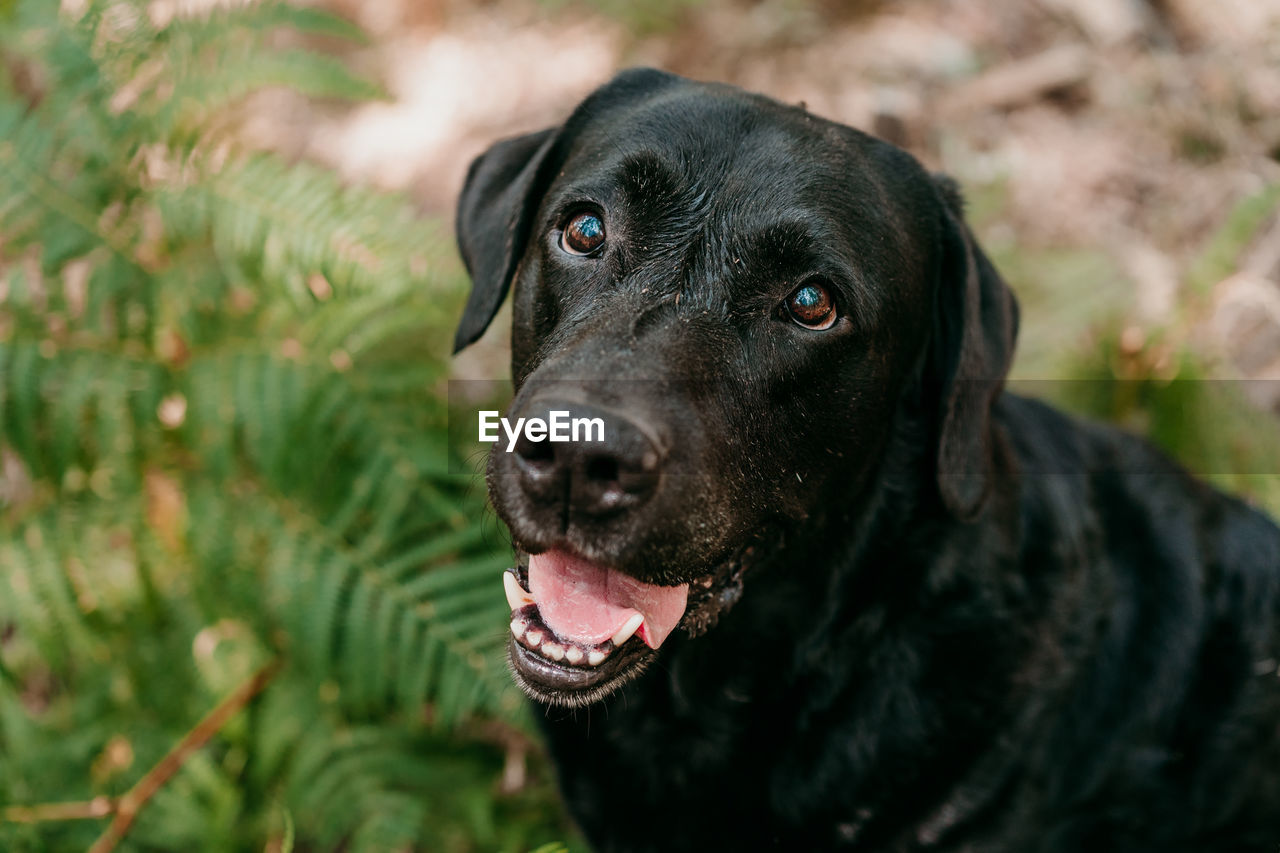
point(582, 234)
point(810, 305)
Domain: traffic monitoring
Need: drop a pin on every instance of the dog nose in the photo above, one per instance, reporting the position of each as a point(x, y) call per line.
point(591, 461)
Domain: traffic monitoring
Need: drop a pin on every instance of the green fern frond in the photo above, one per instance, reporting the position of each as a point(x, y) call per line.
point(284, 224)
point(366, 630)
point(48, 193)
point(222, 442)
point(40, 597)
point(79, 419)
point(192, 101)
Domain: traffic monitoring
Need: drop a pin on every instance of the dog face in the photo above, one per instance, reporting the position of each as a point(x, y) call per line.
point(747, 297)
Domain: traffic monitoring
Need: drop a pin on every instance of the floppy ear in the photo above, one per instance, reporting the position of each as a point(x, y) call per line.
point(975, 326)
point(495, 211)
point(504, 187)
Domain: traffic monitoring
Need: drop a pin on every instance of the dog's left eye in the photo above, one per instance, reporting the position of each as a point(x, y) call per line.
point(583, 234)
point(810, 305)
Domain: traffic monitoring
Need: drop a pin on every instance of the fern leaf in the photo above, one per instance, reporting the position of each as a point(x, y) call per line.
point(292, 222)
point(78, 410)
point(341, 610)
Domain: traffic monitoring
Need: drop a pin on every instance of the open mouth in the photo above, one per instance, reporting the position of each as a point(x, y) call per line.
point(580, 629)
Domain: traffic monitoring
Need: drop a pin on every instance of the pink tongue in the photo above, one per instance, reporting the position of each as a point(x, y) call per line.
point(587, 603)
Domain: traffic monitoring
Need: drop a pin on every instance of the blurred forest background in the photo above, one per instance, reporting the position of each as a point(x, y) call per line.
point(244, 604)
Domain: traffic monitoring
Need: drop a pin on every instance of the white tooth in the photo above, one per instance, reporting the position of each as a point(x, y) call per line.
point(594, 657)
point(516, 597)
point(555, 651)
point(518, 627)
point(533, 639)
point(630, 627)
point(573, 655)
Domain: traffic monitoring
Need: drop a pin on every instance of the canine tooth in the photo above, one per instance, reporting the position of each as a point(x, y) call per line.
point(516, 597)
point(629, 628)
point(518, 627)
point(595, 656)
point(533, 638)
point(555, 651)
point(573, 654)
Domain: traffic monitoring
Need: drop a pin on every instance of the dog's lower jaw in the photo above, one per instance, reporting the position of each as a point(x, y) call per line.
point(578, 698)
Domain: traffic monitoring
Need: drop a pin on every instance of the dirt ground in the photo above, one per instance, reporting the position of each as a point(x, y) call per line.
point(1127, 129)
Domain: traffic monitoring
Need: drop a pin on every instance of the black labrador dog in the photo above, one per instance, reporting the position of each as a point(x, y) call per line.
point(819, 583)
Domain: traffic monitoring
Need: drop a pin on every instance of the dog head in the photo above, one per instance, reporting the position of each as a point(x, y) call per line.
point(743, 295)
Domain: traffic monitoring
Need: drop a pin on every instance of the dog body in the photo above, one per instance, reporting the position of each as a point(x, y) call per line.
point(881, 604)
point(1076, 672)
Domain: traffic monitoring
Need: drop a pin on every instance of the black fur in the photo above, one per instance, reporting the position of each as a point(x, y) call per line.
point(939, 616)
